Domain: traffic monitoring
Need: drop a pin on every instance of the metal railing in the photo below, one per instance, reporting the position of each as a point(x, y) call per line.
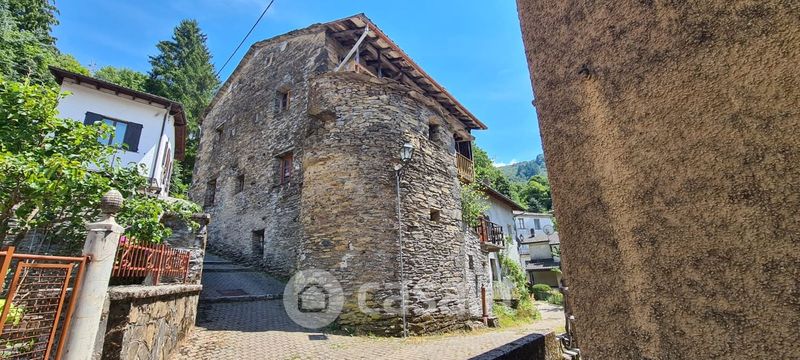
point(489, 232)
point(38, 304)
point(465, 169)
point(136, 259)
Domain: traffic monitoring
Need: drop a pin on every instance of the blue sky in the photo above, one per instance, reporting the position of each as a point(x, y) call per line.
point(472, 48)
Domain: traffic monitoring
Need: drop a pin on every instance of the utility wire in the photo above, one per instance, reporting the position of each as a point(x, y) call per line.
point(245, 38)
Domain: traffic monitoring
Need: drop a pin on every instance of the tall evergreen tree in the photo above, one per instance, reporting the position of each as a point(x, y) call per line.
point(182, 71)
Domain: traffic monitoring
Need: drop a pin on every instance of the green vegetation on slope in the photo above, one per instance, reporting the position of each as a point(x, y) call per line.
point(524, 170)
point(528, 187)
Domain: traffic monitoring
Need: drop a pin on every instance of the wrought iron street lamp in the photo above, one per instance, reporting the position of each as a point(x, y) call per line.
point(406, 153)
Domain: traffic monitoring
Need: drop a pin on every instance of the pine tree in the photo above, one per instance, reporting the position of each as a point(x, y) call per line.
point(182, 71)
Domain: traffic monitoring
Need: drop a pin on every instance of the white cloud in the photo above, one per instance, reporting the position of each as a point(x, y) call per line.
point(498, 164)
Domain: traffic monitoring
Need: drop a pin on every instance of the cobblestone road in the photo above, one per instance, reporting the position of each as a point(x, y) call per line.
point(262, 330)
point(251, 330)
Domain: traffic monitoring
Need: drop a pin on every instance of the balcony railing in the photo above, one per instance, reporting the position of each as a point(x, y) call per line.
point(490, 233)
point(465, 170)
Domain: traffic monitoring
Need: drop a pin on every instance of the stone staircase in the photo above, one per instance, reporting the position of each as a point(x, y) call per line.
point(225, 281)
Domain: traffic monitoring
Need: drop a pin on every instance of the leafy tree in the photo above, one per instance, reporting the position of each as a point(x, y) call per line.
point(473, 204)
point(487, 173)
point(45, 177)
point(26, 47)
point(537, 194)
point(182, 71)
point(34, 16)
point(122, 76)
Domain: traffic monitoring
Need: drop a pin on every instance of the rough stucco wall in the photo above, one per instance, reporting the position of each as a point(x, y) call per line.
point(349, 212)
point(672, 136)
point(255, 134)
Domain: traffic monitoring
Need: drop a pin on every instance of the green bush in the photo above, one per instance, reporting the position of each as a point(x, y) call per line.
point(525, 313)
point(541, 291)
point(556, 298)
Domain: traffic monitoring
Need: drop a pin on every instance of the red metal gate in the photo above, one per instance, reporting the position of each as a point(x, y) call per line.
point(38, 304)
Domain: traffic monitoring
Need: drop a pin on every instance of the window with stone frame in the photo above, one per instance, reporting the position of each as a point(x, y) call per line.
point(211, 193)
point(220, 130)
point(239, 184)
point(258, 242)
point(282, 100)
point(436, 215)
point(520, 223)
point(285, 164)
point(433, 132)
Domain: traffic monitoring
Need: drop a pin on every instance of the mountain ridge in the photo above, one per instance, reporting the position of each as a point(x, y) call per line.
point(524, 170)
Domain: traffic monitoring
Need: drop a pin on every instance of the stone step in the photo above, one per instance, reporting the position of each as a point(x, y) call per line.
point(241, 298)
point(217, 262)
point(229, 269)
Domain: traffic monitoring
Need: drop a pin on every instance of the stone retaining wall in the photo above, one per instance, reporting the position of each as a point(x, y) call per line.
point(148, 322)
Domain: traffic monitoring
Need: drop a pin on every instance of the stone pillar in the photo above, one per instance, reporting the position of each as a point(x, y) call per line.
point(101, 246)
point(672, 136)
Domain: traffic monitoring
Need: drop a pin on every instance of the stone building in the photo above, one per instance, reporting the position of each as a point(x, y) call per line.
point(672, 136)
point(296, 167)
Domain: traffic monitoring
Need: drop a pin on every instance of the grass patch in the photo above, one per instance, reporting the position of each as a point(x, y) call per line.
point(525, 313)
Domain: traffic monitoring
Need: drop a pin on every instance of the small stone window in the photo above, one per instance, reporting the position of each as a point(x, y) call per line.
point(433, 132)
point(435, 215)
point(211, 192)
point(220, 133)
point(239, 184)
point(282, 100)
point(471, 262)
point(285, 168)
point(258, 243)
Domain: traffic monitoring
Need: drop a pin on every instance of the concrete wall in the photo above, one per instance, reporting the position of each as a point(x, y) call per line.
point(672, 135)
point(539, 251)
point(86, 99)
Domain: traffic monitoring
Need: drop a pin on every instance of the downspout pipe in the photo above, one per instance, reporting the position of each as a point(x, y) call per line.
point(158, 146)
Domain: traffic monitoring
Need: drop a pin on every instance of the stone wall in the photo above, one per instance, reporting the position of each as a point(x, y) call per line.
point(338, 212)
point(244, 133)
point(193, 240)
point(672, 136)
point(148, 322)
point(349, 207)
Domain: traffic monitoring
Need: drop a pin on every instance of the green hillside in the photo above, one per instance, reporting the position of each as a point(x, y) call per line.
point(522, 171)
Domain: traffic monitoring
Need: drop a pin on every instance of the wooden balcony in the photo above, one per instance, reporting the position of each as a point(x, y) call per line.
point(466, 172)
point(491, 236)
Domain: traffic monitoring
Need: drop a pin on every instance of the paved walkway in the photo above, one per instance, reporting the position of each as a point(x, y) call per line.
point(262, 330)
point(224, 281)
